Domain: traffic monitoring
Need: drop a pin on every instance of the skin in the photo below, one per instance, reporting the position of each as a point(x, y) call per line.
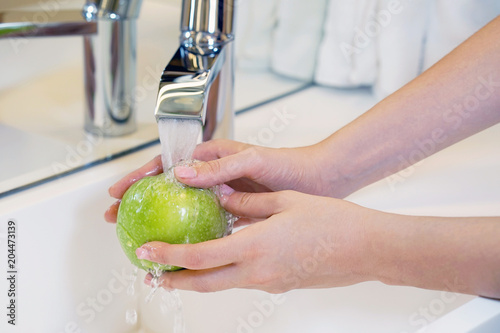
point(280, 193)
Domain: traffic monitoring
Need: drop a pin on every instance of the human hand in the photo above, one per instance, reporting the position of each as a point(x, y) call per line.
point(245, 167)
point(249, 168)
point(296, 241)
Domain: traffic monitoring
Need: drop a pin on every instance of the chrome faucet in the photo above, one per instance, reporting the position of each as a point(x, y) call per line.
point(196, 84)
point(108, 28)
point(198, 81)
point(110, 66)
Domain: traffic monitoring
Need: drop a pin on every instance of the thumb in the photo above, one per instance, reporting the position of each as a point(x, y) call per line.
point(252, 205)
point(225, 169)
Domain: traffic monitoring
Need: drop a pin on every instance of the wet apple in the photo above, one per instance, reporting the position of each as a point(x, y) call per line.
point(160, 208)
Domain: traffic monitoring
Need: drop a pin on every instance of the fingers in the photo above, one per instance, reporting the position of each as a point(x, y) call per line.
point(208, 280)
point(112, 212)
point(215, 149)
point(253, 205)
point(207, 174)
point(152, 168)
point(210, 254)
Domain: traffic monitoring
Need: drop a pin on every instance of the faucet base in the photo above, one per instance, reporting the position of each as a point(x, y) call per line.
point(110, 62)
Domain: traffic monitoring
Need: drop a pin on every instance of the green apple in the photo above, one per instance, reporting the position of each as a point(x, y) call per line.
point(160, 208)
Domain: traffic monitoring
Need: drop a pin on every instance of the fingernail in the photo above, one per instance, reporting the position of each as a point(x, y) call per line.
point(185, 172)
point(226, 190)
point(142, 253)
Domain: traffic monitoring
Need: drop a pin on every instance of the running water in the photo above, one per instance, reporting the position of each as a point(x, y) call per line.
point(178, 139)
point(131, 314)
point(170, 303)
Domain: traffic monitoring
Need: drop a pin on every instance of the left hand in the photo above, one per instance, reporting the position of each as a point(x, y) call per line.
point(294, 241)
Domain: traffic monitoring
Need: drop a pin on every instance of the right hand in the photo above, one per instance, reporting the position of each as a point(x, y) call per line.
point(248, 168)
point(244, 167)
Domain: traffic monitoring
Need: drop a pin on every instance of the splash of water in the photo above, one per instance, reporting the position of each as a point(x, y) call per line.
point(131, 314)
point(178, 139)
point(155, 282)
point(170, 300)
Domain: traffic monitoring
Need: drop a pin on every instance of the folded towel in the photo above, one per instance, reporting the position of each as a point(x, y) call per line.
point(400, 44)
point(297, 37)
point(347, 55)
point(379, 43)
point(453, 21)
point(255, 24)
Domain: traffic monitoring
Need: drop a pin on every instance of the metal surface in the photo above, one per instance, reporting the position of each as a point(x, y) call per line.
point(111, 9)
point(206, 24)
point(109, 32)
point(198, 81)
point(110, 64)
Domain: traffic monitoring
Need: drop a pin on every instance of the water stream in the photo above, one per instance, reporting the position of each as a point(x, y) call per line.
point(178, 140)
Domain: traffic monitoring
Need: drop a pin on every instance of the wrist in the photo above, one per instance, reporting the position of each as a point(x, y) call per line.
point(338, 168)
point(383, 253)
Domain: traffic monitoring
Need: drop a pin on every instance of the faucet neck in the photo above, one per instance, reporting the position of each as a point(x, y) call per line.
point(206, 25)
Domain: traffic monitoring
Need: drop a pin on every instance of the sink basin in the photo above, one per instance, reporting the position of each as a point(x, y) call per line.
point(72, 274)
point(73, 277)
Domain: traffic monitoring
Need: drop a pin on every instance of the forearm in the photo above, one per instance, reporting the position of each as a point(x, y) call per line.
point(457, 97)
point(453, 254)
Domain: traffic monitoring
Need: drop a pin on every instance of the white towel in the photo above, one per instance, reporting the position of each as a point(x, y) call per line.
point(378, 43)
point(400, 44)
point(297, 37)
point(453, 21)
point(255, 22)
point(347, 56)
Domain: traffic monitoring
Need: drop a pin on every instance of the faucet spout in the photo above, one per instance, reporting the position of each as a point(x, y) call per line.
point(198, 81)
point(185, 85)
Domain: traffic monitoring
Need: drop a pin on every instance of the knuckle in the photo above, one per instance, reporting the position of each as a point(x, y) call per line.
point(246, 199)
point(193, 259)
point(213, 167)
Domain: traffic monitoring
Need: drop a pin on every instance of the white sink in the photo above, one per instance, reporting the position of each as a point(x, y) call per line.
point(70, 266)
point(69, 257)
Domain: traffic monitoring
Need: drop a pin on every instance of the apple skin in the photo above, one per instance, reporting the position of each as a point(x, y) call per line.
point(159, 208)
